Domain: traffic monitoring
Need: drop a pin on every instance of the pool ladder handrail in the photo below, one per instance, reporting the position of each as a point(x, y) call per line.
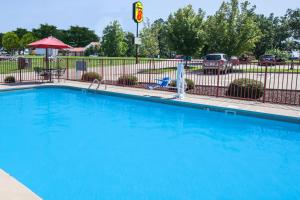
point(99, 83)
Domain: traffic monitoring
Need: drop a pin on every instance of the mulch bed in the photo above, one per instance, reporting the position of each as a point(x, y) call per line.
point(272, 96)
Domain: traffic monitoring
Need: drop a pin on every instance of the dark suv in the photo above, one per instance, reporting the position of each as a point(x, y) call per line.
point(267, 60)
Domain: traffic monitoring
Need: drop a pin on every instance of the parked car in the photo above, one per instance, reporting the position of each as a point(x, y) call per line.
point(267, 60)
point(280, 60)
point(179, 57)
point(294, 58)
point(182, 57)
point(234, 60)
point(215, 62)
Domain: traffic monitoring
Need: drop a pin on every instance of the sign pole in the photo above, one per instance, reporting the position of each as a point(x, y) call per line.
point(137, 46)
point(138, 15)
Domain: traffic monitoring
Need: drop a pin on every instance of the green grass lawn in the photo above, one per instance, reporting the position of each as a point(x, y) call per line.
point(158, 71)
point(11, 66)
point(269, 70)
point(8, 67)
point(167, 69)
point(245, 70)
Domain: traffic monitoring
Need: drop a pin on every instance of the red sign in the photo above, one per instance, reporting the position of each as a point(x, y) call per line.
point(138, 12)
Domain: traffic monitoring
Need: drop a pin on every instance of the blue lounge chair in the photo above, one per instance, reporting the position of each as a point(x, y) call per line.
point(161, 83)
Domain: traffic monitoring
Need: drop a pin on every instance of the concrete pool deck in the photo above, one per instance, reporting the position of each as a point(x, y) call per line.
point(10, 189)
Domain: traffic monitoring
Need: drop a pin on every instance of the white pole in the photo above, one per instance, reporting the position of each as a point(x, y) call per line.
point(180, 81)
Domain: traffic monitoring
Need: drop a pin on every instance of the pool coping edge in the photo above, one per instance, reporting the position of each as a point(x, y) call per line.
point(172, 101)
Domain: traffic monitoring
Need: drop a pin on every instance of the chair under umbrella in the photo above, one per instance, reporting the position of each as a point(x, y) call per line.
point(49, 43)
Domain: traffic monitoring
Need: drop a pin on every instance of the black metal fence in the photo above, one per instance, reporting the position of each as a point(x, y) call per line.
point(270, 82)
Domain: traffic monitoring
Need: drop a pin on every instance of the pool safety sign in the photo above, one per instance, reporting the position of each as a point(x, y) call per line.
point(137, 41)
point(138, 12)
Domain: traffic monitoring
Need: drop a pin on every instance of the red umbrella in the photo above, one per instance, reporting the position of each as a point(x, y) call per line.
point(49, 43)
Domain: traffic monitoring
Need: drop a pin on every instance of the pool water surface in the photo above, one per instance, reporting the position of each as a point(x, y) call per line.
point(67, 144)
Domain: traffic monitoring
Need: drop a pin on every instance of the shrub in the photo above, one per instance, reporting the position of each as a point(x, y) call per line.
point(246, 88)
point(189, 84)
point(247, 57)
point(91, 76)
point(283, 55)
point(128, 80)
point(10, 79)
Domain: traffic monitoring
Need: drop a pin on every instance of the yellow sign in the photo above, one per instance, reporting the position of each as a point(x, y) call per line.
point(138, 12)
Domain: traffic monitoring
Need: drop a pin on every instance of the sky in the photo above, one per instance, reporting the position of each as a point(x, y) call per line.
point(96, 14)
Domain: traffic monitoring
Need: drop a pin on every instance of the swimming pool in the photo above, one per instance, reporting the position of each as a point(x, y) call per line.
point(67, 144)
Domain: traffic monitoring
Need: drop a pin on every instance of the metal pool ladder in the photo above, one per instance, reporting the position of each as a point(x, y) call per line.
point(99, 83)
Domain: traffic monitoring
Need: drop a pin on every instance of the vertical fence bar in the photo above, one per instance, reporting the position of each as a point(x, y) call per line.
point(218, 82)
point(150, 72)
point(102, 68)
point(265, 83)
point(67, 63)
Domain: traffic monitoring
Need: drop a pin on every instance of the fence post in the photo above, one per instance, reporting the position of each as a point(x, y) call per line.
point(20, 75)
point(218, 82)
point(123, 66)
point(149, 81)
point(265, 83)
point(67, 68)
point(57, 68)
point(20, 66)
point(292, 65)
point(102, 70)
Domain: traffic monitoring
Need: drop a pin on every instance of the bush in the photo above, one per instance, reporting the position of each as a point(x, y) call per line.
point(247, 57)
point(283, 55)
point(10, 79)
point(246, 88)
point(189, 84)
point(128, 80)
point(91, 76)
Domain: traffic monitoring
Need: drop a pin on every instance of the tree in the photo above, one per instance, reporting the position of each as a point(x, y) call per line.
point(293, 21)
point(233, 29)
point(79, 36)
point(10, 42)
point(282, 33)
point(27, 39)
point(289, 31)
point(129, 37)
point(150, 43)
point(20, 32)
point(46, 30)
point(113, 41)
point(268, 29)
point(161, 26)
point(276, 34)
point(92, 50)
point(185, 31)
point(278, 53)
point(1, 36)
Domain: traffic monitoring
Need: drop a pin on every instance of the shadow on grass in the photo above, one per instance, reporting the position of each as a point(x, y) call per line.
point(22, 83)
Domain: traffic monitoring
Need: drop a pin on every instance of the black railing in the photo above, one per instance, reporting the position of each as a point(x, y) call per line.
point(264, 82)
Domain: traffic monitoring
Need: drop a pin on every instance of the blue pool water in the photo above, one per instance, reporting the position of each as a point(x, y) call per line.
point(65, 144)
